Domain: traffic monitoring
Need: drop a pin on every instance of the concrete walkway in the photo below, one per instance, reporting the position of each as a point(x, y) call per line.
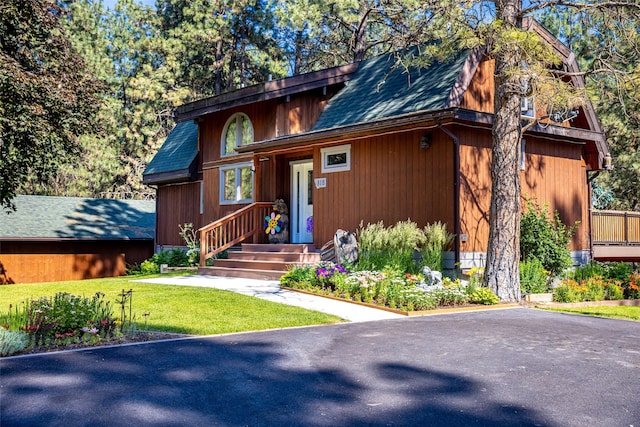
point(270, 290)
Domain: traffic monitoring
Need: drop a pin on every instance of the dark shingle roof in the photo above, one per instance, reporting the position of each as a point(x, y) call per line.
point(47, 217)
point(377, 91)
point(174, 159)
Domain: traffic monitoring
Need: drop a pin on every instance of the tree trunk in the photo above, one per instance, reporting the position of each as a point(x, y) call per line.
point(502, 273)
point(218, 68)
point(360, 33)
point(298, 53)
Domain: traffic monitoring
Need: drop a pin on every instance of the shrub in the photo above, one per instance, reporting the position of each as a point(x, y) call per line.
point(593, 289)
point(632, 286)
point(533, 276)
point(395, 246)
point(483, 295)
point(12, 342)
point(568, 291)
point(299, 277)
point(149, 267)
point(544, 238)
point(66, 316)
point(588, 270)
point(403, 247)
point(175, 257)
point(326, 274)
point(475, 277)
point(437, 241)
point(450, 293)
point(190, 237)
point(618, 270)
point(614, 291)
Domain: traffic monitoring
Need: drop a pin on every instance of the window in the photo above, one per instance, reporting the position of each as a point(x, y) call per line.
point(527, 107)
point(336, 159)
point(236, 184)
point(523, 154)
point(237, 132)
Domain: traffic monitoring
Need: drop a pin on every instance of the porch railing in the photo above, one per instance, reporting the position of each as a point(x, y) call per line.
point(615, 228)
point(232, 229)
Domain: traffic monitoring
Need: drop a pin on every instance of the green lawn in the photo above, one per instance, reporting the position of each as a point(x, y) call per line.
point(182, 309)
point(616, 312)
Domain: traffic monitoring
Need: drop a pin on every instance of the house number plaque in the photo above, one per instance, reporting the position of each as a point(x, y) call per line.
point(320, 182)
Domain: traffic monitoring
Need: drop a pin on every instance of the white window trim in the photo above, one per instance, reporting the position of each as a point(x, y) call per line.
point(236, 167)
point(223, 143)
point(527, 108)
point(326, 152)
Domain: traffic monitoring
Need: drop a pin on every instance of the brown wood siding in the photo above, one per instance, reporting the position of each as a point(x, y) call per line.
point(475, 187)
point(554, 174)
point(391, 179)
point(299, 113)
point(177, 204)
point(479, 94)
point(213, 210)
point(262, 116)
point(30, 262)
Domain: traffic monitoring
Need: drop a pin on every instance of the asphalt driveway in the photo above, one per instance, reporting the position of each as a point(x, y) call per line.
point(517, 367)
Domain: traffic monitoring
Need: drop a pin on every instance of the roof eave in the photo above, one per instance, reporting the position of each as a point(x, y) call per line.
point(569, 134)
point(342, 132)
point(572, 135)
point(266, 91)
point(168, 177)
point(571, 63)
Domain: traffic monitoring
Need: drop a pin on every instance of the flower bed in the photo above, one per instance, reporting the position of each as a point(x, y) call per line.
point(591, 289)
point(63, 321)
point(389, 288)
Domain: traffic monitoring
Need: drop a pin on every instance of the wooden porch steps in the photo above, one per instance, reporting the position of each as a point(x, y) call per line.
point(266, 262)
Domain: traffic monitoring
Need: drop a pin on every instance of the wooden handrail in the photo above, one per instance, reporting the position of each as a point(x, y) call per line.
point(616, 228)
point(232, 229)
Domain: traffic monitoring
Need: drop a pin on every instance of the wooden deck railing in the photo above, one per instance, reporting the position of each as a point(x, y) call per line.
point(232, 229)
point(615, 228)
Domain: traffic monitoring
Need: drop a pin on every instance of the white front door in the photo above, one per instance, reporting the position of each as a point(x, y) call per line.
point(301, 209)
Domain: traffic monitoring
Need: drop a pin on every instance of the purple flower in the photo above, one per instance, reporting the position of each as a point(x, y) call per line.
point(341, 269)
point(322, 272)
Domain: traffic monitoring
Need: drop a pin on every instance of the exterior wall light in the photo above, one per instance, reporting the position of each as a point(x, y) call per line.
point(425, 141)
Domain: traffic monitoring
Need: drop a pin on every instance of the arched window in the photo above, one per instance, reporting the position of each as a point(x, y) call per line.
point(237, 132)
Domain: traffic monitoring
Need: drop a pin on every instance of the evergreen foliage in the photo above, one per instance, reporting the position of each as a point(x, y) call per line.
point(150, 60)
point(607, 44)
point(545, 239)
point(533, 276)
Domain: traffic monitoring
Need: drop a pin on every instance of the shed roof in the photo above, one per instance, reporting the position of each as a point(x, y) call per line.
point(62, 218)
point(174, 160)
point(380, 89)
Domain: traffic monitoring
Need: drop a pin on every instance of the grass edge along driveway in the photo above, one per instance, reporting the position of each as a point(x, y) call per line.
point(623, 312)
point(181, 309)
